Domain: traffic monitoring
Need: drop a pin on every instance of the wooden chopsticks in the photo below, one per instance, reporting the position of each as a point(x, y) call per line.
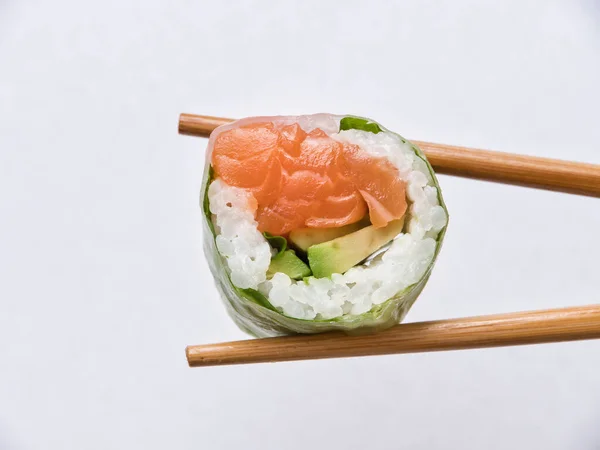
point(543, 173)
point(535, 327)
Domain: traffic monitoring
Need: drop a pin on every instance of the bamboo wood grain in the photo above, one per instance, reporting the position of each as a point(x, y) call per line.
point(543, 173)
point(534, 327)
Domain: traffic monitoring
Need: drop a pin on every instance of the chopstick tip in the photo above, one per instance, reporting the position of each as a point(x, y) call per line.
point(188, 356)
point(180, 123)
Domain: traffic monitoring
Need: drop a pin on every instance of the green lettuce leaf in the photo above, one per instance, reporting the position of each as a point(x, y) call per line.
point(277, 242)
point(358, 123)
point(256, 297)
point(210, 174)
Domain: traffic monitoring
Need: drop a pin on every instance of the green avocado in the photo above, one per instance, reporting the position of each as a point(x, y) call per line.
point(287, 262)
point(343, 253)
point(302, 238)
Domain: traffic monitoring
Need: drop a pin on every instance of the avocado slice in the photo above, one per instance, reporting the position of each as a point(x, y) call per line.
point(343, 253)
point(302, 238)
point(287, 262)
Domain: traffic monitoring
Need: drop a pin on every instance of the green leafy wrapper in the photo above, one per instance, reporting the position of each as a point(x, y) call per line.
point(251, 310)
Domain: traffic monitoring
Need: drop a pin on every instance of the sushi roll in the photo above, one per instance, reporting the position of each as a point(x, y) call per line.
point(318, 222)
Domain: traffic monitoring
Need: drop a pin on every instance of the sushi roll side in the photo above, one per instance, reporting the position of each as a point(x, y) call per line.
point(373, 294)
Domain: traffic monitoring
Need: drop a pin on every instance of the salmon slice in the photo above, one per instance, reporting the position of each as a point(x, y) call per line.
point(283, 216)
point(290, 139)
point(248, 158)
point(317, 152)
point(337, 211)
point(378, 183)
point(304, 179)
point(249, 140)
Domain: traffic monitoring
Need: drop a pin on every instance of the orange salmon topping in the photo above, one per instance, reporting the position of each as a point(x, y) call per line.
point(304, 179)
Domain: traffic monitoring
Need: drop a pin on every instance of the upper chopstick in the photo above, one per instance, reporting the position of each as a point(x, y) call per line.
point(530, 171)
point(536, 327)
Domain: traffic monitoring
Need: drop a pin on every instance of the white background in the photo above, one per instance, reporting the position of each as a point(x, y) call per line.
point(102, 278)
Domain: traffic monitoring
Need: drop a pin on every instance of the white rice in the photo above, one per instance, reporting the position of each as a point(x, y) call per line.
point(248, 254)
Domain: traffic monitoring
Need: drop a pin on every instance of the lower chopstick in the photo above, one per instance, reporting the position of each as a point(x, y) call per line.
point(542, 173)
point(534, 327)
